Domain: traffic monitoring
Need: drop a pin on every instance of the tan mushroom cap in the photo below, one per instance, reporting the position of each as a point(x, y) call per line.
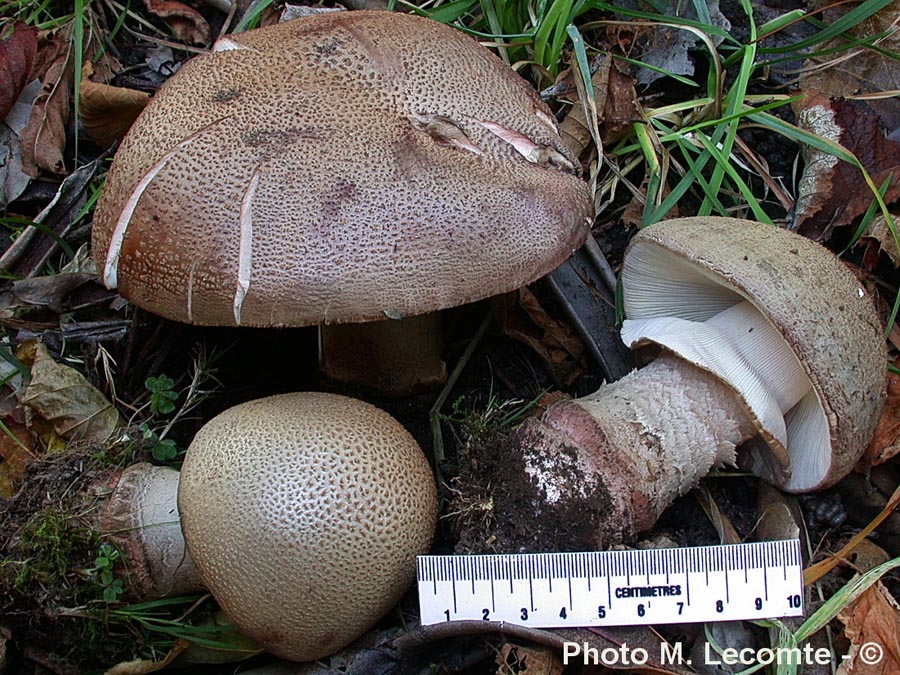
point(811, 299)
point(304, 514)
point(339, 168)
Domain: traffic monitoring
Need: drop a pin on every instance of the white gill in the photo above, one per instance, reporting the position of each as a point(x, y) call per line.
point(245, 256)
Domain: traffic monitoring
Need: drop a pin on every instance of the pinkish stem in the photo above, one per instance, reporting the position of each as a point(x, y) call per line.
point(643, 440)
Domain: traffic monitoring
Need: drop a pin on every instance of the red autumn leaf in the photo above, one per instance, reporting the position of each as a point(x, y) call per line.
point(834, 192)
point(18, 44)
point(187, 24)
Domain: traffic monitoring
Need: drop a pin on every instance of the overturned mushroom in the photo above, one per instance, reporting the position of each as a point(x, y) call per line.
point(302, 514)
point(766, 341)
point(342, 168)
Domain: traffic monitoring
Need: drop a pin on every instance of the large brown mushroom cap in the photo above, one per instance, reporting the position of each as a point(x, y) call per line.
point(345, 167)
point(304, 514)
point(698, 267)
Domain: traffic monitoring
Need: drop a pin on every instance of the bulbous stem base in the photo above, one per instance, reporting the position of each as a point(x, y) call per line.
point(640, 442)
point(141, 519)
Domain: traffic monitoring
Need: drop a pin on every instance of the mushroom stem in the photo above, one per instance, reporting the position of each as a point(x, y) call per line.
point(141, 519)
point(395, 357)
point(739, 345)
point(642, 441)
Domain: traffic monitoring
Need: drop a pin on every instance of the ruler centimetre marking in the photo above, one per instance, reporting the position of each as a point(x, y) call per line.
point(615, 588)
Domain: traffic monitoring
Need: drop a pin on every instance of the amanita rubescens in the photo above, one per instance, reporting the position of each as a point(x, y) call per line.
point(342, 168)
point(770, 353)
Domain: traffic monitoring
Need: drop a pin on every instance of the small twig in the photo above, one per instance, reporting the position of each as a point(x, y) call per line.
point(434, 412)
point(425, 635)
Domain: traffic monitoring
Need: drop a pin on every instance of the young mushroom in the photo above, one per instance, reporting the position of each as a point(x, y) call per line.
point(302, 514)
point(765, 342)
point(343, 168)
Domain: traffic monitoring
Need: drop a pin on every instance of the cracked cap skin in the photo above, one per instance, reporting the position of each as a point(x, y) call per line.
point(340, 168)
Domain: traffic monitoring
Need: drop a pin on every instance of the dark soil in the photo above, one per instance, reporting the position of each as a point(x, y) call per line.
point(497, 507)
point(48, 541)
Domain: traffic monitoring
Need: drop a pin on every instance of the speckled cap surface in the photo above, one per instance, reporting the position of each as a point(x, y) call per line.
point(818, 306)
point(345, 167)
point(304, 514)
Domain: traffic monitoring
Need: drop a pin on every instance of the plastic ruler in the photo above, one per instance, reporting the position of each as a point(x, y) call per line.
point(615, 588)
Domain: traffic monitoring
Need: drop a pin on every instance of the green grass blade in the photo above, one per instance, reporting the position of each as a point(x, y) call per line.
point(551, 34)
point(851, 19)
point(710, 195)
point(687, 149)
point(661, 18)
point(7, 355)
point(450, 12)
point(845, 596)
point(702, 12)
point(78, 46)
point(734, 103)
point(493, 20)
point(251, 16)
point(868, 216)
point(776, 24)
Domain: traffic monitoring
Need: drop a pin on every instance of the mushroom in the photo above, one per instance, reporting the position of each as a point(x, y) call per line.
point(141, 519)
point(302, 514)
point(764, 341)
point(349, 167)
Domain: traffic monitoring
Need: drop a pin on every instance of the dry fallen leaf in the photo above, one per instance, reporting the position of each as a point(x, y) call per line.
point(881, 233)
point(13, 179)
point(48, 291)
point(18, 45)
point(187, 24)
point(524, 660)
point(16, 449)
point(63, 396)
point(144, 667)
point(868, 555)
point(108, 112)
point(870, 623)
point(574, 129)
point(523, 319)
point(44, 138)
point(833, 192)
point(885, 443)
point(860, 70)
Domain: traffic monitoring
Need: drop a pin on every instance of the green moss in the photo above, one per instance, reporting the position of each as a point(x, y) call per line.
point(51, 549)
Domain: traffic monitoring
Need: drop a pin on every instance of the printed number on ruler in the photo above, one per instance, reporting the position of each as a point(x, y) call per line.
point(679, 585)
